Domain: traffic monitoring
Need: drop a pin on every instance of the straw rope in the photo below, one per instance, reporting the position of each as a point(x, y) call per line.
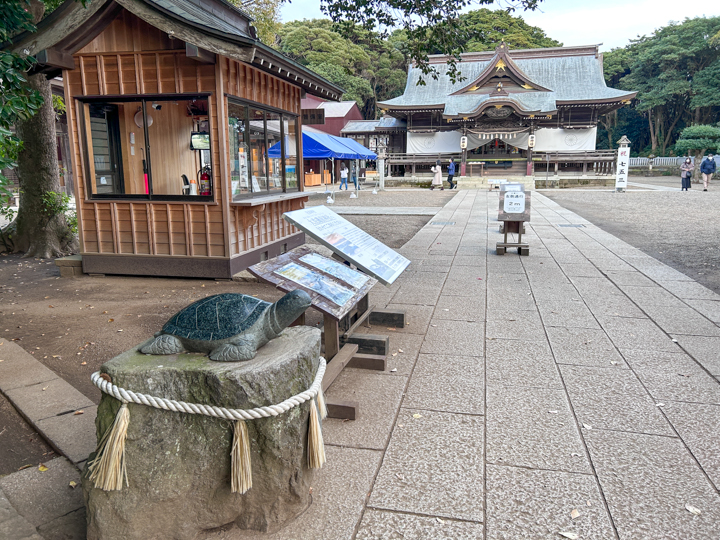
point(128, 396)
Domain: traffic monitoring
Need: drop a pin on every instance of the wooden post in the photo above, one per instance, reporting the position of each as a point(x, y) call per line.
point(332, 337)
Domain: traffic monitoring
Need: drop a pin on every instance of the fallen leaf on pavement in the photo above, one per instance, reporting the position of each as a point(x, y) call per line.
point(692, 509)
point(586, 426)
point(394, 354)
point(416, 415)
point(400, 350)
point(42, 468)
point(72, 484)
point(393, 370)
point(78, 412)
point(111, 320)
point(570, 535)
point(574, 514)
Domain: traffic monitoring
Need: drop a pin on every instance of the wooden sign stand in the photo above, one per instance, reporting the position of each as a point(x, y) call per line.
point(343, 346)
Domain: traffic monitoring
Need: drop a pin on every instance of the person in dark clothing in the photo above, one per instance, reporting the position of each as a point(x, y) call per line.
point(707, 168)
point(686, 170)
point(451, 174)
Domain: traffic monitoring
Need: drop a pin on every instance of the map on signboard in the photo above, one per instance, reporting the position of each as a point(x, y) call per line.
point(340, 271)
point(349, 242)
point(325, 280)
point(316, 282)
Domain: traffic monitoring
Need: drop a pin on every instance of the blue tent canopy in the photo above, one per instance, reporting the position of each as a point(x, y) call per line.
point(323, 146)
point(355, 146)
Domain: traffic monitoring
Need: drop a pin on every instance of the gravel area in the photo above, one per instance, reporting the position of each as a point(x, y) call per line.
point(681, 229)
point(394, 231)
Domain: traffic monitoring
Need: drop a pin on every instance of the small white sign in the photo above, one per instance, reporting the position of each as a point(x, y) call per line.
point(514, 202)
point(623, 163)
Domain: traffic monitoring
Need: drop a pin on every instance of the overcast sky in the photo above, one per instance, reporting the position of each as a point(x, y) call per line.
point(579, 22)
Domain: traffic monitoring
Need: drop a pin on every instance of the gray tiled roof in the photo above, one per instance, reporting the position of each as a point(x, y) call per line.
point(569, 78)
point(366, 126)
point(203, 14)
point(360, 126)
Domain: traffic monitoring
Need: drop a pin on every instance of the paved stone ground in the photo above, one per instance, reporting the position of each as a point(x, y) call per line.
point(572, 391)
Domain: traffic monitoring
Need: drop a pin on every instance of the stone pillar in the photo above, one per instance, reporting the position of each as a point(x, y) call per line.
point(178, 465)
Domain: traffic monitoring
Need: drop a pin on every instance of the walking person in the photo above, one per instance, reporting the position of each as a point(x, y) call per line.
point(707, 168)
point(451, 174)
point(343, 176)
point(686, 171)
point(353, 175)
point(437, 176)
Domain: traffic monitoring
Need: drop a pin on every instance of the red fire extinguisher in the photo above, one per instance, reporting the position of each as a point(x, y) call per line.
point(204, 180)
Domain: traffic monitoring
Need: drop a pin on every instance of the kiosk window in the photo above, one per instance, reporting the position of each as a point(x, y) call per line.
point(262, 150)
point(151, 149)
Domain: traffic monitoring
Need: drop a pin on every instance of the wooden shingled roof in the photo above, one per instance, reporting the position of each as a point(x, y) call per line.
point(210, 25)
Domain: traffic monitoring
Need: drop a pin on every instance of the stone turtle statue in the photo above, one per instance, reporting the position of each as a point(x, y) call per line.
point(228, 327)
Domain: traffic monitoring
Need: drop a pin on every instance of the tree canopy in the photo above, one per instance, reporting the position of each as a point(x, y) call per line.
point(486, 28)
point(428, 26)
point(676, 72)
point(371, 68)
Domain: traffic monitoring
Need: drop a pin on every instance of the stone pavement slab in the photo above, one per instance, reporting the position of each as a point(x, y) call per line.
point(432, 466)
point(447, 383)
point(648, 481)
point(542, 504)
point(43, 496)
point(380, 525)
point(533, 428)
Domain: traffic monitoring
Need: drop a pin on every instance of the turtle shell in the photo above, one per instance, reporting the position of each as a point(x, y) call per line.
point(216, 317)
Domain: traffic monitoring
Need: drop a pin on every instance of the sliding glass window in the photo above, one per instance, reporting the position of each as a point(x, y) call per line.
point(153, 148)
point(263, 149)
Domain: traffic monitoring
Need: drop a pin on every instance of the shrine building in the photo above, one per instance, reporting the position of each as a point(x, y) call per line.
point(527, 113)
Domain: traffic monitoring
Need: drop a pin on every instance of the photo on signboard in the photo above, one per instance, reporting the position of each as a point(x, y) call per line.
point(340, 271)
point(316, 282)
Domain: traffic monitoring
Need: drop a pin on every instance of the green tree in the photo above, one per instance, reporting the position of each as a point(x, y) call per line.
point(17, 101)
point(675, 71)
point(698, 140)
point(40, 229)
point(486, 28)
point(368, 68)
point(265, 15)
point(430, 26)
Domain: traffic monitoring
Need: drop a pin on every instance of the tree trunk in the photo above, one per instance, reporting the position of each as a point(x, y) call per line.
point(37, 232)
point(699, 154)
point(653, 136)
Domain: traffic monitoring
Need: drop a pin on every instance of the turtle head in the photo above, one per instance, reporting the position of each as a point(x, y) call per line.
point(289, 308)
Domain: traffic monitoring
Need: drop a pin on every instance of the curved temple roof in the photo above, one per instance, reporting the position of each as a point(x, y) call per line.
point(559, 76)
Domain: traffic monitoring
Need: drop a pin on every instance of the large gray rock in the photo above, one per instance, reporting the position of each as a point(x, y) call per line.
point(178, 465)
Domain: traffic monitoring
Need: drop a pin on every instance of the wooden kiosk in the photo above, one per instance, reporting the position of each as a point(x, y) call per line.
point(172, 107)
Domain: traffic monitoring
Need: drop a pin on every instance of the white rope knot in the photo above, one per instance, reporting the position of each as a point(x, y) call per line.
point(128, 396)
point(107, 468)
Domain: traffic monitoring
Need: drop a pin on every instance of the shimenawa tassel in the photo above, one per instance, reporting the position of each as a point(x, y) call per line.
point(241, 469)
point(316, 446)
point(107, 470)
point(321, 404)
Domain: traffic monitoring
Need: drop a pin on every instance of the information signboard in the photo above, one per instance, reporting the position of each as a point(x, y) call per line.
point(334, 288)
point(349, 242)
point(623, 164)
point(514, 206)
